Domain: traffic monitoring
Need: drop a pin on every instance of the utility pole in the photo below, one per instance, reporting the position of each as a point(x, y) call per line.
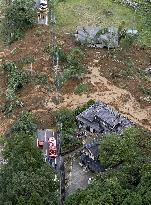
point(56, 69)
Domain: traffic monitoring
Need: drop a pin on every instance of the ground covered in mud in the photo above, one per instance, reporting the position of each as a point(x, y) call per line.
point(116, 77)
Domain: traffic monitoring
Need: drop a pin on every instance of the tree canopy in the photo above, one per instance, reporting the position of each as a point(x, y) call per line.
point(127, 180)
point(19, 16)
point(26, 178)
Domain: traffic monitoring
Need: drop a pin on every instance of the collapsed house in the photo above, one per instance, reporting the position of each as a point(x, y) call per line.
point(95, 36)
point(89, 157)
point(99, 118)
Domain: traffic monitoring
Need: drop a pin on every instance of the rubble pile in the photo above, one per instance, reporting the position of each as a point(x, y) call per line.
point(95, 36)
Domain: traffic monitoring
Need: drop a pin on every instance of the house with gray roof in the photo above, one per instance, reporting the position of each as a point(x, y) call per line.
point(100, 118)
point(89, 157)
point(95, 36)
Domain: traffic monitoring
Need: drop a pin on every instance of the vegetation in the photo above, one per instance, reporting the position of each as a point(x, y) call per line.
point(105, 12)
point(20, 15)
point(132, 71)
point(67, 120)
point(127, 41)
point(81, 88)
point(127, 184)
point(17, 79)
point(26, 60)
point(72, 62)
point(145, 90)
point(72, 13)
point(80, 109)
point(24, 123)
point(26, 178)
point(144, 22)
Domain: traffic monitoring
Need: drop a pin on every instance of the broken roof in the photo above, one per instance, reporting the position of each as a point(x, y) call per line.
point(101, 113)
point(93, 147)
point(93, 165)
point(97, 36)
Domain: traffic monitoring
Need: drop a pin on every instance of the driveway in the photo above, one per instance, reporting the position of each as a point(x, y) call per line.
point(77, 177)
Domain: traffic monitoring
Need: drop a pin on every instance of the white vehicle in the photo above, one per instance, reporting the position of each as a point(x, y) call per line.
point(52, 147)
point(43, 6)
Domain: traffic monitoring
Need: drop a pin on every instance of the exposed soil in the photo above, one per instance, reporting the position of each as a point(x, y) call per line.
point(104, 69)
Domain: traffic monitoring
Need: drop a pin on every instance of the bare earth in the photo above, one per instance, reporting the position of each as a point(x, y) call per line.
point(101, 72)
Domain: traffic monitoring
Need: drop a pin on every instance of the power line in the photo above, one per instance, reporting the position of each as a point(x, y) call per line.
point(56, 69)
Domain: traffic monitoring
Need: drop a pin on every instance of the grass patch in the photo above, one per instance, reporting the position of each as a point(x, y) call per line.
point(132, 71)
point(73, 13)
point(145, 90)
point(81, 88)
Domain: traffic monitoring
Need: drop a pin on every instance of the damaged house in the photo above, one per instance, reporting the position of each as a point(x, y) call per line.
point(99, 118)
point(94, 36)
point(89, 157)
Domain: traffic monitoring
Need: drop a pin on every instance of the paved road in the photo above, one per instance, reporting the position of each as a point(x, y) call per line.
point(78, 177)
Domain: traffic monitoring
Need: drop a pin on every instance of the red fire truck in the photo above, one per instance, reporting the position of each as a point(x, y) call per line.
point(52, 147)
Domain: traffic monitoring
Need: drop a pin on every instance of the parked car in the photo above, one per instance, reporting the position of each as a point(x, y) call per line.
point(40, 143)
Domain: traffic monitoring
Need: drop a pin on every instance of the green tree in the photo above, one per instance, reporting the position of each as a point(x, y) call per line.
point(116, 149)
point(26, 173)
point(67, 118)
point(19, 16)
point(127, 184)
point(35, 199)
point(133, 199)
point(25, 123)
point(21, 201)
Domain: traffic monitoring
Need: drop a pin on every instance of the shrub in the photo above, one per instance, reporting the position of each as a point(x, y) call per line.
point(18, 78)
point(19, 16)
point(57, 49)
point(127, 41)
point(80, 109)
point(76, 55)
point(24, 123)
point(81, 88)
point(145, 90)
point(69, 143)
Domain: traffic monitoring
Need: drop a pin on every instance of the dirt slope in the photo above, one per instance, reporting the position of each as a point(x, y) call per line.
point(106, 85)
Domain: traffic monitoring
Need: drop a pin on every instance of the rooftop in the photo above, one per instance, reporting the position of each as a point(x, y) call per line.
point(41, 133)
point(93, 147)
point(101, 113)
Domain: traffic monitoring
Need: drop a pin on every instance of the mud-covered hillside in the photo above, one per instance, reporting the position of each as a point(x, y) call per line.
point(114, 77)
